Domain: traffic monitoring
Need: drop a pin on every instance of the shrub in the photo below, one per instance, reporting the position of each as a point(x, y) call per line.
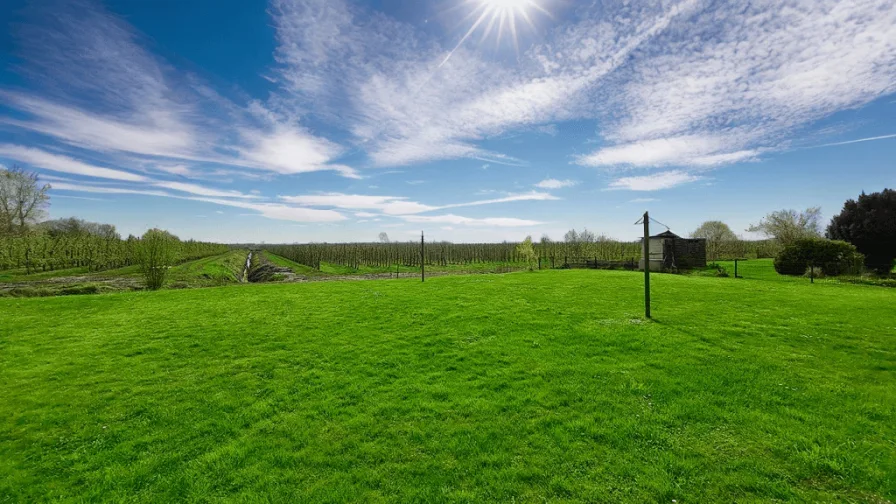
point(526, 252)
point(158, 251)
point(831, 257)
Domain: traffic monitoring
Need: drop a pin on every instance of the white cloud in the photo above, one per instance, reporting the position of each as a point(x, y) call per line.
point(689, 150)
point(395, 205)
point(555, 184)
point(529, 196)
point(175, 169)
point(468, 221)
point(55, 162)
point(94, 86)
point(643, 200)
point(270, 210)
point(202, 191)
point(407, 108)
point(733, 80)
point(389, 205)
point(291, 151)
point(654, 182)
point(282, 212)
point(159, 135)
point(686, 84)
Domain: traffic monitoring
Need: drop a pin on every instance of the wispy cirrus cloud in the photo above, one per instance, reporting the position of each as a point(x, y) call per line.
point(399, 205)
point(555, 184)
point(674, 88)
point(655, 181)
point(95, 87)
point(469, 221)
point(274, 211)
point(698, 151)
point(65, 164)
point(687, 84)
point(732, 81)
point(202, 190)
point(406, 107)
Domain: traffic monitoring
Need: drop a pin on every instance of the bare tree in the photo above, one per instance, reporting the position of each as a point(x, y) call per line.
point(74, 226)
point(384, 238)
point(23, 200)
point(787, 226)
point(586, 236)
point(717, 235)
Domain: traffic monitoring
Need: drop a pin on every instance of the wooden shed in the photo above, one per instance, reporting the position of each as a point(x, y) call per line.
point(670, 252)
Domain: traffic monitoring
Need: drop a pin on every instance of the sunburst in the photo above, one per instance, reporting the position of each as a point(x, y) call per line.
point(500, 17)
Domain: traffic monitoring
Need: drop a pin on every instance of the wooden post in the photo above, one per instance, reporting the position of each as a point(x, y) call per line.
point(422, 259)
point(812, 274)
point(646, 265)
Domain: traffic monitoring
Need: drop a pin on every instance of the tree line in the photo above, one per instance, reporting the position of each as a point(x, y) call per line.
point(866, 226)
point(30, 243)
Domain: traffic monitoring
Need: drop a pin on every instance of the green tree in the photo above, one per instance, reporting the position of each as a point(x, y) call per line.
point(870, 225)
point(718, 236)
point(157, 251)
point(788, 226)
point(526, 252)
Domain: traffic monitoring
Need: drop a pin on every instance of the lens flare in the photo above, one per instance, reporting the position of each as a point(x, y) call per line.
point(500, 17)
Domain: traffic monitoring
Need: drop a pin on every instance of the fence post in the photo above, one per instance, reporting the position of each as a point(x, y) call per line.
point(735, 268)
point(539, 263)
point(422, 259)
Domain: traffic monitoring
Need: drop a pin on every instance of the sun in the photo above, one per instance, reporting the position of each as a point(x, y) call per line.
point(499, 17)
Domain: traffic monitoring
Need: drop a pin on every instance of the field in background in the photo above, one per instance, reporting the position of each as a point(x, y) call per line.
point(528, 387)
point(552, 254)
point(219, 269)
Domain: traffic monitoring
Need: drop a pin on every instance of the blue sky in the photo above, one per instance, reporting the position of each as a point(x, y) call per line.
point(475, 120)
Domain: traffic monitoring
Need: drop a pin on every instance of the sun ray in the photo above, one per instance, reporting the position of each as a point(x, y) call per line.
point(466, 36)
point(500, 14)
point(513, 34)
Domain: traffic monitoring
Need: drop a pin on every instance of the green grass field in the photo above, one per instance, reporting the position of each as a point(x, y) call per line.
point(527, 387)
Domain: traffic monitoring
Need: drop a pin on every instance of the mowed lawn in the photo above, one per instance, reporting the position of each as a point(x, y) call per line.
point(526, 387)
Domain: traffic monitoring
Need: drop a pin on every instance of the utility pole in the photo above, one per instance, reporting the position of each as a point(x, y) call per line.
point(646, 265)
point(422, 257)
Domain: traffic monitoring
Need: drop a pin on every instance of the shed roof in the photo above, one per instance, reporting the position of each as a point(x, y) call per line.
point(666, 234)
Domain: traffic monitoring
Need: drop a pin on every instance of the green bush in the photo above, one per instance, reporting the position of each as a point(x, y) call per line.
point(157, 252)
point(829, 257)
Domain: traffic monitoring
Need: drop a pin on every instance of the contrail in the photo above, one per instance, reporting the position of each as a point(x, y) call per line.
point(857, 141)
